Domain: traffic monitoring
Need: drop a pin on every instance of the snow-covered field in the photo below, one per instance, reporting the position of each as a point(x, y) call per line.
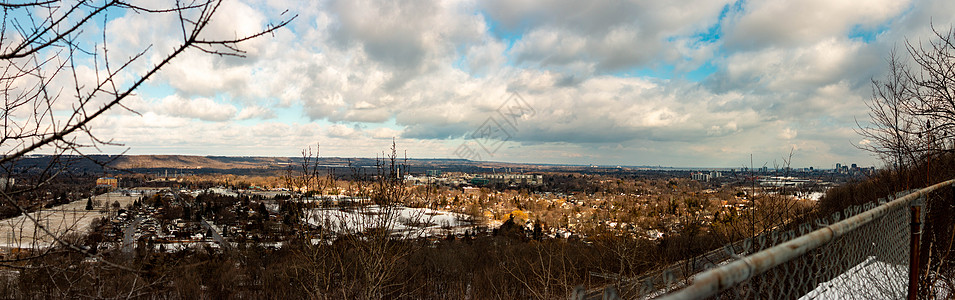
point(405, 221)
point(20, 232)
point(814, 196)
point(871, 279)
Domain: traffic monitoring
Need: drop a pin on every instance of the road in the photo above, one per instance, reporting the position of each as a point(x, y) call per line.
point(129, 235)
point(215, 234)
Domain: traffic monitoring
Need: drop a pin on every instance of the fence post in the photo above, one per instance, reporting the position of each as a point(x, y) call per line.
point(914, 240)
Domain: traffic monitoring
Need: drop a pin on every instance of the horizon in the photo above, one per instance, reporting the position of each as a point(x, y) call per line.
point(658, 166)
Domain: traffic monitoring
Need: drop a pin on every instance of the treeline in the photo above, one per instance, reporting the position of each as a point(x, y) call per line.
point(512, 266)
point(56, 191)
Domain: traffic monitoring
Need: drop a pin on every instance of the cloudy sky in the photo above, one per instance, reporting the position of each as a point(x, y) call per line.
point(672, 83)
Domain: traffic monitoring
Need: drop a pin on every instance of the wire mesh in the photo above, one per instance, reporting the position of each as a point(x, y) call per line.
point(868, 261)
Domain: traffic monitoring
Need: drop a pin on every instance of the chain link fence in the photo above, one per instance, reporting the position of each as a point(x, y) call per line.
point(861, 252)
point(868, 262)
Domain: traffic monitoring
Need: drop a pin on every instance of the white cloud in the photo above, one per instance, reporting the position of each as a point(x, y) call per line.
point(342, 131)
point(606, 36)
point(434, 71)
point(255, 112)
point(200, 108)
point(787, 134)
point(384, 133)
point(783, 23)
point(486, 58)
point(271, 129)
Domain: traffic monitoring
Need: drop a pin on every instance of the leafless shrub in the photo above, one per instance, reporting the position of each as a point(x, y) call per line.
point(911, 127)
point(59, 74)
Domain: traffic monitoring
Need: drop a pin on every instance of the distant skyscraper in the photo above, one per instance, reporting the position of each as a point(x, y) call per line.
point(838, 166)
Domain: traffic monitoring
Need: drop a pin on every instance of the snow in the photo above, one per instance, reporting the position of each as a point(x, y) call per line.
point(871, 279)
point(61, 220)
point(411, 222)
point(654, 234)
point(814, 196)
point(223, 191)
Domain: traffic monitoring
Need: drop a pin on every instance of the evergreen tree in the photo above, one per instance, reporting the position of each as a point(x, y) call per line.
point(89, 204)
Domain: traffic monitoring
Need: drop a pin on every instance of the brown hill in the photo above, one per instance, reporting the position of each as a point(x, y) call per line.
point(196, 162)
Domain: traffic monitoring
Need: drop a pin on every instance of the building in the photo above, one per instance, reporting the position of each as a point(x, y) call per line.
point(479, 181)
point(6, 183)
point(508, 179)
point(107, 182)
point(699, 176)
point(781, 181)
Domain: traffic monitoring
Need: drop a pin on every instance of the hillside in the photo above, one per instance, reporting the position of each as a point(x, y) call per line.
point(192, 164)
point(196, 162)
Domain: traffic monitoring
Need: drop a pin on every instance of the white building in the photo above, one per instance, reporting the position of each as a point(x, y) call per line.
point(6, 183)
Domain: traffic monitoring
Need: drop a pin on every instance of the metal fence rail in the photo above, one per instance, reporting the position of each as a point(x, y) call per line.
point(860, 253)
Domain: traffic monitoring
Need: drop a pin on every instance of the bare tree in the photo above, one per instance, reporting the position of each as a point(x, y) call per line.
point(32, 100)
point(359, 247)
point(912, 123)
point(893, 131)
point(59, 73)
point(912, 110)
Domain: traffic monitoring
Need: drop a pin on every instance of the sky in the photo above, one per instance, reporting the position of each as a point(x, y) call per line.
point(671, 83)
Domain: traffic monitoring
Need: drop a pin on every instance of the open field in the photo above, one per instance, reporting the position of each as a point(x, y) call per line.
point(62, 220)
point(403, 221)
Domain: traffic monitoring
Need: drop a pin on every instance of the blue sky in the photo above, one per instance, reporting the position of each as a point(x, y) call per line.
point(672, 83)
